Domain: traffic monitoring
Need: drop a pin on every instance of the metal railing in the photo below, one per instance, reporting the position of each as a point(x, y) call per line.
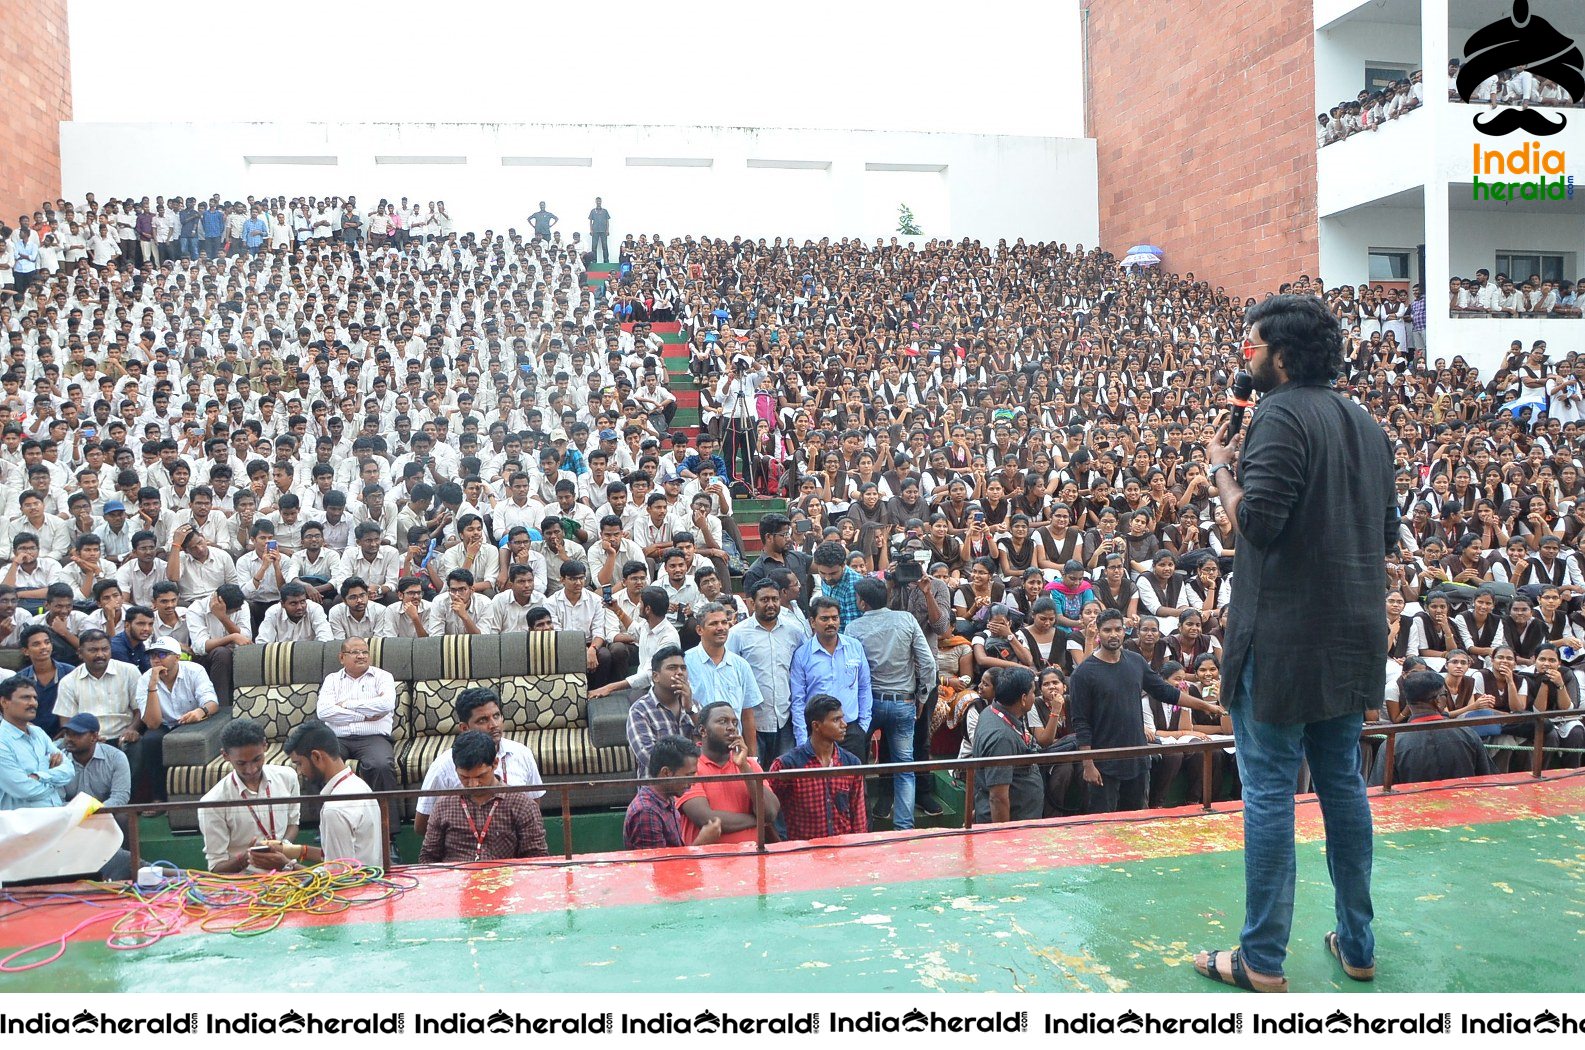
point(1538, 720)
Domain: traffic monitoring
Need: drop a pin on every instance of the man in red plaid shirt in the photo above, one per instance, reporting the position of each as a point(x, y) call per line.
point(819, 807)
point(652, 819)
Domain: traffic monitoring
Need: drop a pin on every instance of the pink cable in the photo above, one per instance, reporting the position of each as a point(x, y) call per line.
point(60, 942)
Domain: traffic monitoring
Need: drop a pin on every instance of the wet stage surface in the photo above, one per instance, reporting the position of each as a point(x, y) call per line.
point(1467, 878)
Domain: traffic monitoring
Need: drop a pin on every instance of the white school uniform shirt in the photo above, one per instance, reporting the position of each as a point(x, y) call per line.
point(377, 622)
point(229, 830)
point(350, 830)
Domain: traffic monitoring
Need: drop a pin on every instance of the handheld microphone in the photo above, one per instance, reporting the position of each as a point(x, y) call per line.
point(1241, 398)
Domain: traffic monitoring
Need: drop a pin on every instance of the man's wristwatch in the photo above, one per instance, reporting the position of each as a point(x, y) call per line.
point(1211, 473)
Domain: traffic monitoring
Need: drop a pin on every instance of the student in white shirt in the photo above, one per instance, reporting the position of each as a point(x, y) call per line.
point(294, 618)
point(231, 832)
point(508, 611)
point(356, 616)
point(347, 830)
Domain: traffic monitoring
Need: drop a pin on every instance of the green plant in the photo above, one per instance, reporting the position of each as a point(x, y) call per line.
point(907, 225)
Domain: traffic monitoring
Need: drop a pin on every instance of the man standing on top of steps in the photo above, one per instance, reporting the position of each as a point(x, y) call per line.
point(599, 233)
point(542, 221)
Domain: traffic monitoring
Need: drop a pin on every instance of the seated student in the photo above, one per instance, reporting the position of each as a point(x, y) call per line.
point(294, 618)
point(819, 807)
point(1446, 754)
point(459, 609)
point(45, 673)
point(479, 709)
point(231, 832)
point(357, 616)
point(464, 829)
point(652, 820)
point(729, 802)
point(1553, 687)
point(215, 629)
point(347, 830)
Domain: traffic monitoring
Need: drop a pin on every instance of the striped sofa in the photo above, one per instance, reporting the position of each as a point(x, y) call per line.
point(540, 676)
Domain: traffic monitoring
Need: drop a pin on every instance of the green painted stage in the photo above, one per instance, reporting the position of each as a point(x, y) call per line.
point(1470, 878)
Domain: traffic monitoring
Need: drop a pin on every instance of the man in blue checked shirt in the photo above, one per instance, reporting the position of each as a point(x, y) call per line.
point(837, 581)
point(834, 664)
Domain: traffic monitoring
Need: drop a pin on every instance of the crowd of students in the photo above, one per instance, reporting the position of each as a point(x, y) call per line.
point(987, 451)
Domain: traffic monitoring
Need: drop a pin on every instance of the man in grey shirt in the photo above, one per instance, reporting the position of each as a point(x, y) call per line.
point(902, 673)
point(930, 602)
point(102, 772)
point(599, 233)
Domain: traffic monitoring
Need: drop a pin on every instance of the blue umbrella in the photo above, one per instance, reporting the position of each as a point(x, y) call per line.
point(1145, 249)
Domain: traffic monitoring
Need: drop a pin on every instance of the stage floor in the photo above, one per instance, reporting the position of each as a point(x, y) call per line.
point(1470, 879)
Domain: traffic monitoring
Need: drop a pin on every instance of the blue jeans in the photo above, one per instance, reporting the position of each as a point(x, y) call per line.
point(1269, 757)
point(189, 246)
point(895, 719)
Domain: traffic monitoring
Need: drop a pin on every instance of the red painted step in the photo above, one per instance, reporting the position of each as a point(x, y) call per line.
point(658, 327)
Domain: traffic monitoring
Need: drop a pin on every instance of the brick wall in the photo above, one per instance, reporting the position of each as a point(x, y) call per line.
point(1203, 119)
point(35, 95)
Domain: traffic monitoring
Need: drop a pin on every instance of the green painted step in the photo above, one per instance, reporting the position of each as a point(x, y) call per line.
point(686, 417)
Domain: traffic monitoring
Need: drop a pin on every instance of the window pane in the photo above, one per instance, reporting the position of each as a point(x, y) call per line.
point(1552, 268)
point(1378, 77)
point(1389, 266)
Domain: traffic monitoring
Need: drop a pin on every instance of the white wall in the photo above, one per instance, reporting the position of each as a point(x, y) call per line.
point(1347, 239)
point(966, 185)
point(1477, 235)
point(1374, 164)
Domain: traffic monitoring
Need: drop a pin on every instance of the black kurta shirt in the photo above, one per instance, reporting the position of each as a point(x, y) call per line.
point(1317, 520)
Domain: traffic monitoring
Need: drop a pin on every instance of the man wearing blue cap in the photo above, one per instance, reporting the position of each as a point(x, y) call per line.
point(99, 771)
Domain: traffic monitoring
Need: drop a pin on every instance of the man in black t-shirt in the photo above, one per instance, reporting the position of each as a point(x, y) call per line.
point(1105, 699)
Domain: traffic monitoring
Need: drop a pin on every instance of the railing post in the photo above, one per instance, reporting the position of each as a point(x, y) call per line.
point(1538, 754)
point(566, 823)
point(1387, 764)
point(1207, 782)
point(134, 842)
point(758, 787)
point(968, 798)
point(385, 835)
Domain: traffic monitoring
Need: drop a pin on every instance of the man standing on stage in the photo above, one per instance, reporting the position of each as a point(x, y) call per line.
point(1313, 505)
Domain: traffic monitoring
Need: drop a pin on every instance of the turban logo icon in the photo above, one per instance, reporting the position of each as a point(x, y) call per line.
point(1527, 40)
